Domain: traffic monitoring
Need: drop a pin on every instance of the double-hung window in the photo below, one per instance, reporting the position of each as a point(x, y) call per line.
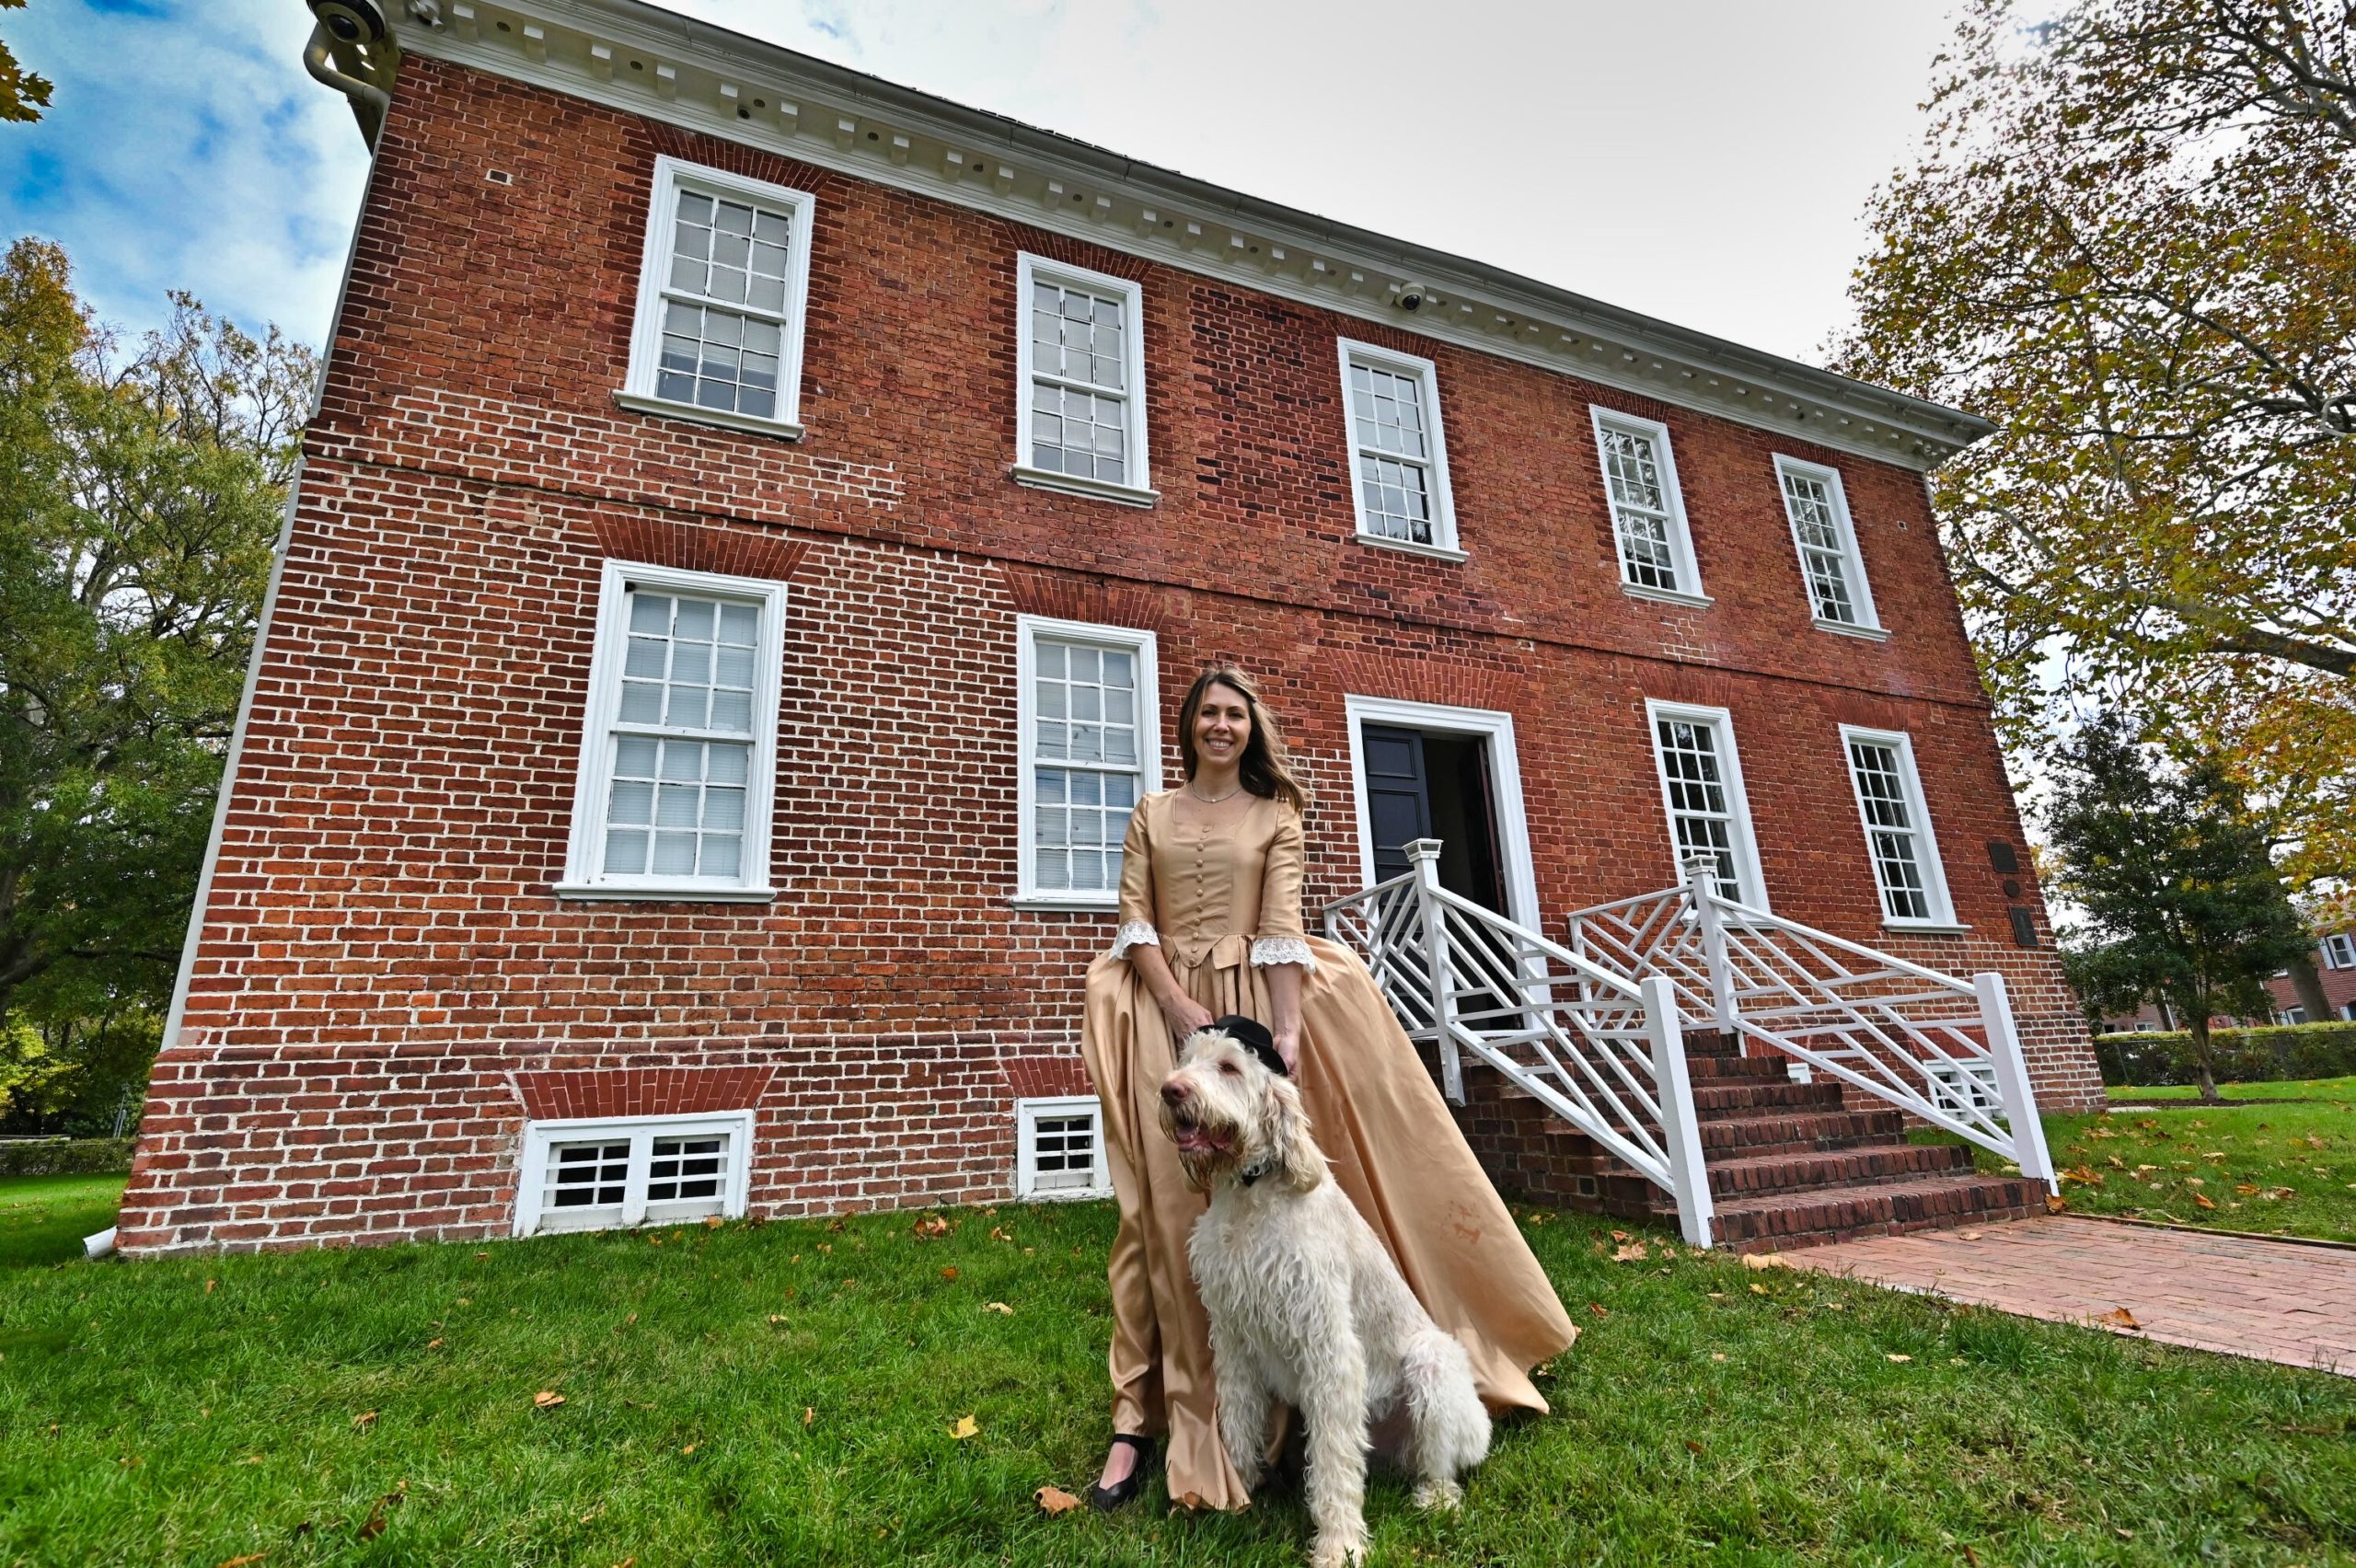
point(1905, 857)
point(1701, 783)
point(2339, 951)
point(1091, 745)
point(1830, 565)
point(1079, 354)
point(581, 1174)
point(722, 289)
point(673, 798)
point(1398, 457)
point(1647, 508)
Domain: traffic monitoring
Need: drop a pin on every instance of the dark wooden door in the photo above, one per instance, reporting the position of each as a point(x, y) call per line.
point(1398, 795)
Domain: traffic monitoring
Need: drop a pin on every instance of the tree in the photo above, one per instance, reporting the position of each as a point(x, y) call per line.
point(2186, 903)
point(23, 94)
point(139, 497)
point(2131, 242)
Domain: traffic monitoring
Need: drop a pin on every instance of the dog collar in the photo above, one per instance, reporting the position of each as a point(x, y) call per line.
point(1252, 1173)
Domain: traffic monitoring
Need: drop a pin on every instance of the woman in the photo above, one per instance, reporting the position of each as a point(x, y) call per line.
point(1211, 924)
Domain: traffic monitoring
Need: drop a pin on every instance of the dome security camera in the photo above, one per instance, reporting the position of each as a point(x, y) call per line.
point(353, 21)
point(1413, 296)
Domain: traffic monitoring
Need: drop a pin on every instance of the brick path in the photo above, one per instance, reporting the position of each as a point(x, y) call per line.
point(2271, 1300)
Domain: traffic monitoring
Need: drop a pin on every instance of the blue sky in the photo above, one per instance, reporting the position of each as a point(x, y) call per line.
point(1702, 160)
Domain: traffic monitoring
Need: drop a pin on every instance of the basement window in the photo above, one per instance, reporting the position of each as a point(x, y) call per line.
point(1059, 1148)
point(625, 1171)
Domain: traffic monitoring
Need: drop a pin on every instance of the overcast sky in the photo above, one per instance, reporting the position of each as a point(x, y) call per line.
point(1707, 163)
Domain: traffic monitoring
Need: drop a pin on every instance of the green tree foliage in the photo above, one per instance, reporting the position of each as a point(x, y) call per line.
point(2186, 903)
point(23, 94)
point(2131, 242)
point(140, 496)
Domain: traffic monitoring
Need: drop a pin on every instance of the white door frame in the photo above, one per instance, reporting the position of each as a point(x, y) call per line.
point(1505, 778)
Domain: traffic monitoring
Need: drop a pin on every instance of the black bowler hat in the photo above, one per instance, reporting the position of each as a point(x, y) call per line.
point(1254, 1036)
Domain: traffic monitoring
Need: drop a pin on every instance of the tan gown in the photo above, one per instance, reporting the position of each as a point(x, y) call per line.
point(1210, 894)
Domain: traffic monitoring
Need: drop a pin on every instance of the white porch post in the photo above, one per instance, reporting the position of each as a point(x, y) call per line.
point(2012, 1080)
point(1702, 887)
point(1680, 1132)
point(1423, 854)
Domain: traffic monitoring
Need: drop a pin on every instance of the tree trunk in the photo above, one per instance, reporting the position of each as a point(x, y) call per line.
point(2199, 1023)
point(2307, 982)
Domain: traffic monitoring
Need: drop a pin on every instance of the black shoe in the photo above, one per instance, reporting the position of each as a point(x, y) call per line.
point(1104, 1499)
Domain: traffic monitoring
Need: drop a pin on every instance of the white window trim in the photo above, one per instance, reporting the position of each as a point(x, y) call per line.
point(1505, 771)
point(2343, 943)
point(1028, 630)
point(1028, 269)
point(584, 877)
point(1444, 544)
point(1935, 876)
point(1868, 623)
point(1753, 876)
point(641, 1131)
point(1680, 536)
point(637, 392)
point(1026, 1172)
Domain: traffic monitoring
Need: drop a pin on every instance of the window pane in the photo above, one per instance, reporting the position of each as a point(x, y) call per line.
point(1082, 813)
point(1700, 810)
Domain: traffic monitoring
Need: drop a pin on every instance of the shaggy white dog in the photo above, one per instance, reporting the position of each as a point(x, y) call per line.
point(1305, 1305)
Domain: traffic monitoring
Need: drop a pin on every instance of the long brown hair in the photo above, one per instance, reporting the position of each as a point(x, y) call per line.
point(1266, 767)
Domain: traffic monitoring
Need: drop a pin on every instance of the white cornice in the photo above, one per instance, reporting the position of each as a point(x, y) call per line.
point(644, 60)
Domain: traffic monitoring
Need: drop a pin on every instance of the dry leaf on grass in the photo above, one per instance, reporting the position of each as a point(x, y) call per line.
point(1895, 1356)
point(1053, 1500)
point(1692, 1447)
point(248, 1561)
point(2204, 1203)
point(481, 1256)
point(777, 1317)
point(2056, 1204)
point(2118, 1317)
point(364, 1420)
point(966, 1427)
point(374, 1526)
point(1757, 1288)
point(1717, 1355)
point(1765, 1261)
point(809, 1415)
point(1000, 1308)
point(930, 1226)
point(1618, 1236)
point(949, 1274)
point(688, 1450)
point(712, 1222)
point(1598, 1308)
point(433, 1345)
point(547, 1400)
point(1634, 1252)
point(209, 1285)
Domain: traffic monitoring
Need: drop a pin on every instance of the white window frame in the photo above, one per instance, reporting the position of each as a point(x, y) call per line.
point(1868, 622)
point(1512, 820)
point(585, 876)
point(1749, 876)
point(1680, 536)
point(1027, 1113)
point(672, 175)
point(540, 1136)
point(2338, 951)
point(1029, 629)
point(1935, 877)
point(1426, 374)
point(1138, 490)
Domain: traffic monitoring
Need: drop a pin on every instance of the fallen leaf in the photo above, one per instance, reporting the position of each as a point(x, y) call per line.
point(2244, 1189)
point(1053, 1500)
point(2118, 1317)
point(547, 1400)
point(966, 1427)
point(712, 1222)
point(2055, 1203)
point(433, 1345)
point(808, 1415)
point(627, 1562)
point(2204, 1203)
point(688, 1450)
point(1596, 1307)
point(1765, 1261)
point(1757, 1288)
point(481, 1256)
point(1894, 1356)
point(999, 1233)
point(1968, 1235)
point(1618, 1236)
point(364, 1420)
point(248, 1561)
point(2281, 1192)
point(1634, 1252)
point(209, 1285)
point(1000, 1308)
point(1692, 1447)
point(929, 1227)
point(949, 1274)
point(374, 1526)
point(1717, 1355)
point(1970, 1557)
point(777, 1317)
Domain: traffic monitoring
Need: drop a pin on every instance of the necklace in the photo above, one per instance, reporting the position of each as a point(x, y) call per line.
point(1214, 799)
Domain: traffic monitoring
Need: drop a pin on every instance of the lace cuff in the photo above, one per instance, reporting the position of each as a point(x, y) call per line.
point(1269, 950)
point(1134, 933)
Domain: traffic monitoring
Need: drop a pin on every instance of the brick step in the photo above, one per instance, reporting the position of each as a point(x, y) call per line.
point(1712, 1071)
point(1792, 1131)
point(1819, 1168)
point(1774, 1221)
point(1719, 1101)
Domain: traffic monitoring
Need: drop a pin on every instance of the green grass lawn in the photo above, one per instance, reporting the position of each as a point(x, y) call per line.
point(43, 1218)
point(2275, 1169)
point(786, 1394)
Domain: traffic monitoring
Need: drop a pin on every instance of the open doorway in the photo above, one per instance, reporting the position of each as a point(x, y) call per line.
point(1423, 770)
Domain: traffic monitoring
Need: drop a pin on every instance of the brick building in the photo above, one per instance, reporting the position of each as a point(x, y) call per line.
point(756, 526)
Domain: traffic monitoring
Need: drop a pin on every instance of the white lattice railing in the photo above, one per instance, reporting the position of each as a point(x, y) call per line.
point(1604, 1052)
point(1938, 1046)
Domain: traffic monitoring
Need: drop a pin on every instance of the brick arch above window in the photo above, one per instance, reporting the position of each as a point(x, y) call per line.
point(696, 547)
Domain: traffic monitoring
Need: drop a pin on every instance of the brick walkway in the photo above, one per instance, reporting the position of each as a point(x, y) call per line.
point(2271, 1300)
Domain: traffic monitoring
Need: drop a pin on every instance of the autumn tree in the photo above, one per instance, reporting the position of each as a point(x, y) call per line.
point(139, 497)
point(23, 94)
point(2185, 902)
point(2131, 242)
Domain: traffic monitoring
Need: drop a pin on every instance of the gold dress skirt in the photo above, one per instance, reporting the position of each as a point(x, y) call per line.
point(1213, 900)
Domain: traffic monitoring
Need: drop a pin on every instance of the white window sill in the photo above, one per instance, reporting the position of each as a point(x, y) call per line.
point(662, 408)
point(1072, 484)
point(1077, 903)
point(1869, 633)
point(1925, 928)
point(671, 893)
point(1409, 546)
point(1665, 596)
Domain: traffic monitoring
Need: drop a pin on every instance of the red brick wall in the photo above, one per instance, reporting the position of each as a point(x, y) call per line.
point(383, 967)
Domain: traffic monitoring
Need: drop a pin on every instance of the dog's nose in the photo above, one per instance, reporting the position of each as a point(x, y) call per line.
point(1173, 1091)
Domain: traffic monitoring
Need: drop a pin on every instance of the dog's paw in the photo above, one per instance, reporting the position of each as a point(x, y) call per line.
point(1439, 1493)
point(1331, 1553)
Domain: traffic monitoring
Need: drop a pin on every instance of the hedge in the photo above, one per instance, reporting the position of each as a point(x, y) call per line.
point(2236, 1055)
point(66, 1157)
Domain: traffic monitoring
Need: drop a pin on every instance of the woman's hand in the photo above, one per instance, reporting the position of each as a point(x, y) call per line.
point(1289, 1047)
point(1185, 1015)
